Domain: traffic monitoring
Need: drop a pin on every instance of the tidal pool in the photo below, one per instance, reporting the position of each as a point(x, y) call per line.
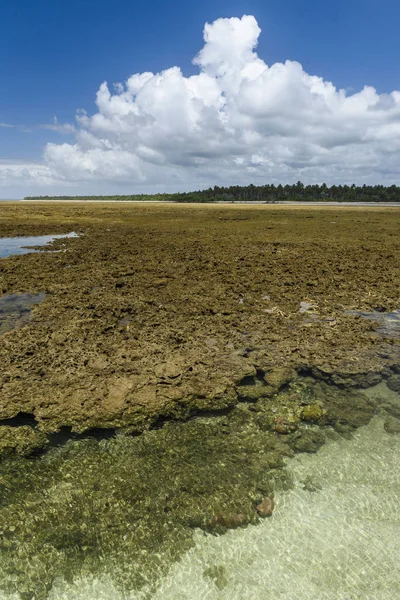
point(133, 518)
point(24, 245)
point(388, 322)
point(16, 309)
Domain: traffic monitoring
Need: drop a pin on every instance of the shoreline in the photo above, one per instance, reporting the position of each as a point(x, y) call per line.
point(222, 203)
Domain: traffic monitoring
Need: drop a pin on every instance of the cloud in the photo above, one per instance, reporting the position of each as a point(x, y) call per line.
point(237, 120)
point(64, 128)
point(30, 172)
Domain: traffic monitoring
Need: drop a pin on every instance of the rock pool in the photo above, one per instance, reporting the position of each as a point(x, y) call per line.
point(334, 536)
point(15, 310)
point(9, 246)
point(388, 323)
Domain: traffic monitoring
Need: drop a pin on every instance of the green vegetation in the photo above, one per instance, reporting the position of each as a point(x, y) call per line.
point(261, 193)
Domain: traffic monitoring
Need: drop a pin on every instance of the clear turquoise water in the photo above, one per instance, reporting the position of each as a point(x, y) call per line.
point(340, 541)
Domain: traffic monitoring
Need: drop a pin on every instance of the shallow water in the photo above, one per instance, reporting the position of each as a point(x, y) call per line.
point(23, 245)
point(388, 323)
point(15, 310)
point(334, 536)
point(97, 519)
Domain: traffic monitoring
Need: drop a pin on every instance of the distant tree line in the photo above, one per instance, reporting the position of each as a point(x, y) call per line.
point(140, 197)
point(261, 193)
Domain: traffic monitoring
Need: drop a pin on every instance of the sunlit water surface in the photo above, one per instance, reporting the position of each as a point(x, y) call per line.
point(334, 536)
point(23, 245)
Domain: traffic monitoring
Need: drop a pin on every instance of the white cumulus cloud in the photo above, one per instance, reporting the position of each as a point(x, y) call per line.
point(238, 120)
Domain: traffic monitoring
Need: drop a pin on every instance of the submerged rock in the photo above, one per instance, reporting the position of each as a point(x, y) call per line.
point(309, 440)
point(347, 407)
point(266, 507)
point(252, 393)
point(218, 575)
point(393, 383)
point(310, 484)
point(20, 440)
point(312, 412)
point(284, 425)
point(228, 520)
point(356, 380)
point(280, 376)
point(129, 495)
point(392, 425)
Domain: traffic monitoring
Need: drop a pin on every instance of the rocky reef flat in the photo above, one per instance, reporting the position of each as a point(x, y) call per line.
point(161, 370)
point(158, 312)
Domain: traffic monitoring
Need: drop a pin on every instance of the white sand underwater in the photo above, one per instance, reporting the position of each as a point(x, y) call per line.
point(338, 542)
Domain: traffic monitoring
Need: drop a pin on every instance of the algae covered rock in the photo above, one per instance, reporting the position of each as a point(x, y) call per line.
point(309, 440)
point(284, 425)
point(310, 484)
point(266, 507)
point(217, 573)
point(228, 520)
point(252, 393)
point(125, 496)
point(280, 376)
point(392, 425)
point(136, 308)
point(20, 440)
point(358, 380)
point(393, 383)
point(265, 421)
point(312, 412)
point(346, 407)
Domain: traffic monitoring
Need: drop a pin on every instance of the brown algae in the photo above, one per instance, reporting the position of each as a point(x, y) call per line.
point(158, 311)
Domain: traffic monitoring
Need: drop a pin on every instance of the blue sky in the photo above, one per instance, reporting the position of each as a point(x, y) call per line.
point(57, 54)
